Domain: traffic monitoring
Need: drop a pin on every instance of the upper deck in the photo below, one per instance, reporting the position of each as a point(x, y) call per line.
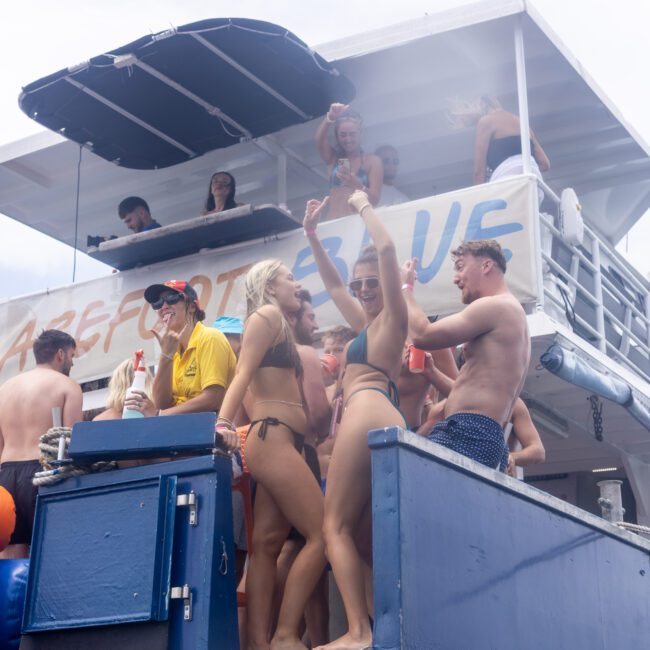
point(584, 296)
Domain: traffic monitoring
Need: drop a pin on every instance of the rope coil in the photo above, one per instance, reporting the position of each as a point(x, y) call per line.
point(635, 528)
point(49, 448)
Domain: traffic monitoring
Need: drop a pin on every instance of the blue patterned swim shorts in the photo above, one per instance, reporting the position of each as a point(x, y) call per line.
point(476, 436)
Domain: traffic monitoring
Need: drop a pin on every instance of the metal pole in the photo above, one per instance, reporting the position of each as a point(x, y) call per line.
point(598, 295)
point(610, 501)
point(282, 180)
point(522, 94)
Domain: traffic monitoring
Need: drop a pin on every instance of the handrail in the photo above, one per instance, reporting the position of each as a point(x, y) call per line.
point(603, 316)
point(584, 324)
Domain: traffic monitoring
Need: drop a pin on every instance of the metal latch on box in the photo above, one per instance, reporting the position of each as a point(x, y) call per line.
point(190, 501)
point(184, 593)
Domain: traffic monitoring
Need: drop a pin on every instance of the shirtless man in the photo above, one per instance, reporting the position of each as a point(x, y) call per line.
point(26, 403)
point(497, 352)
point(303, 324)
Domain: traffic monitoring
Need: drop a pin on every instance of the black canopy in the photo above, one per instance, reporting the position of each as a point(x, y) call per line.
point(172, 96)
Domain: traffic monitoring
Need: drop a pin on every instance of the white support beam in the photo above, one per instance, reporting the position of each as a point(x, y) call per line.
point(249, 75)
point(638, 473)
point(129, 116)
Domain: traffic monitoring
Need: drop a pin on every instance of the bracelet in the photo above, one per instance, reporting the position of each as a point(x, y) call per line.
point(309, 232)
point(228, 422)
point(363, 207)
point(163, 354)
point(328, 120)
point(407, 285)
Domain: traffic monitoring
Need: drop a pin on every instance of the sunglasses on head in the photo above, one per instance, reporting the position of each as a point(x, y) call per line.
point(371, 282)
point(170, 299)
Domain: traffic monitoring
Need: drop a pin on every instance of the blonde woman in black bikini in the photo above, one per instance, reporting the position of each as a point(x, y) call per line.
point(288, 491)
point(378, 312)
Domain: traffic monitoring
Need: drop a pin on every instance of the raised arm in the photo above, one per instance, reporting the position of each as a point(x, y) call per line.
point(476, 319)
point(346, 304)
point(322, 144)
point(389, 274)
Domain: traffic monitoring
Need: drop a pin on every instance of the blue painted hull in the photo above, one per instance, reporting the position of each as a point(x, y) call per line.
point(465, 558)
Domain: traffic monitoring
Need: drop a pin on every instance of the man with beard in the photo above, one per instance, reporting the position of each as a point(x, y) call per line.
point(26, 403)
point(496, 342)
point(303, 324)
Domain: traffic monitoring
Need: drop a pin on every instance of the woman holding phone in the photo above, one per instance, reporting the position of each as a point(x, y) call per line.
point(349, 167)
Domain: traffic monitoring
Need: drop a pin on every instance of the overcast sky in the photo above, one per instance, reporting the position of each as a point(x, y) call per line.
point(610, 40)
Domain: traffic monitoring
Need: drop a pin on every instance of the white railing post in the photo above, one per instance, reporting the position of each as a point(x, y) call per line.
point(598, 295)
point(282, 179)
point(522, 94)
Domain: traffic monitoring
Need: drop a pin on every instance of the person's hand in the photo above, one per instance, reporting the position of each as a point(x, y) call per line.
point(168, 338)
point(358, 201)
point(348, 179)
point(429, 367)
point(137, 400)
point(229, 438)
point(511, 469)
point(408, 272)
point(335, 111)
point(313, 211)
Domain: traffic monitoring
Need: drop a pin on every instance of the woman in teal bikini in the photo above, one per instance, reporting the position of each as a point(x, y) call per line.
point(377, 310)
point(349, 167)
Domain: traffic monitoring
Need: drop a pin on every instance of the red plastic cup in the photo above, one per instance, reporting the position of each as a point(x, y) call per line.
point(416, 359)
point(330, 365)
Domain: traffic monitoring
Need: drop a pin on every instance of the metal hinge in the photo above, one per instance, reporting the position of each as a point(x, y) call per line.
point(184, 593)
point(190, 501)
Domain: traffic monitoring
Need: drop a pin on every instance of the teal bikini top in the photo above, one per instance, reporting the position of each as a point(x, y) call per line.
point(358, 353)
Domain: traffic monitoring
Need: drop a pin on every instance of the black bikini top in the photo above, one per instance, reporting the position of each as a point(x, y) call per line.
point(281, 355)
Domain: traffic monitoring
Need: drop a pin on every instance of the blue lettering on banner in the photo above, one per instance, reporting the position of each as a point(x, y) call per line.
point(422, 220)
point(475, 229)
point(302, 270)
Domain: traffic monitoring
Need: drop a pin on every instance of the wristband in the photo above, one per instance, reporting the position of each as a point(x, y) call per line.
point(328, 119)
point(309, 232)
point(407, 285)
point(167, 356)
point(222, 419)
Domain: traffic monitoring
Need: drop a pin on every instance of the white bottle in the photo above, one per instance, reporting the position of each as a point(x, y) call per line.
point(139, 380)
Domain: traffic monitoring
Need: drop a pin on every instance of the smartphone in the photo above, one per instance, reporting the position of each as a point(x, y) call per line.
point(344, 164)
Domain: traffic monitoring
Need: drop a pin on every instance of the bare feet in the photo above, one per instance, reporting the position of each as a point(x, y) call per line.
point(348, 642)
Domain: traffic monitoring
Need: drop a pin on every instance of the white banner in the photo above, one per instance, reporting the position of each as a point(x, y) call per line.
point(110, 319)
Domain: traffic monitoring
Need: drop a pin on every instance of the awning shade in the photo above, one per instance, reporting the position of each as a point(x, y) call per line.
point(169, 97)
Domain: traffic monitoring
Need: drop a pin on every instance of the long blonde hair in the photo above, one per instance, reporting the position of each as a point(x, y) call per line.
point(462, 113)
point(257, 284)
point(121, 381)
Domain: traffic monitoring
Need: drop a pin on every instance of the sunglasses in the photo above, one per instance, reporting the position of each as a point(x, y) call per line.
point(371, 282)
point(170, 299)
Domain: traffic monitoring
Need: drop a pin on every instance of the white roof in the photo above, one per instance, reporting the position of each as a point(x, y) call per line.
point(403, 75)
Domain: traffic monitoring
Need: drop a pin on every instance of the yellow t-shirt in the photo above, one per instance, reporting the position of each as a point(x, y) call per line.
point(208, 361)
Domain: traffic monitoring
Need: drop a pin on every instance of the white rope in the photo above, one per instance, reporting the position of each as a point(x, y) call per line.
point(635, 528)
point(49, 448)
